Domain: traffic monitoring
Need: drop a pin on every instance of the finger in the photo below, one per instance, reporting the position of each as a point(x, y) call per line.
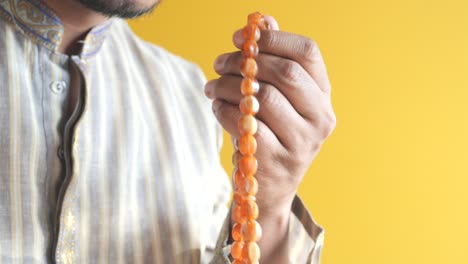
point(271, 22)
point(274, 107)
point(226, 88)
point(298, 48)
point(228, 115)
point(288, 76)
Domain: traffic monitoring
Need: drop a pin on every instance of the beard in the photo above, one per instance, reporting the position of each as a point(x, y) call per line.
point(120, 8)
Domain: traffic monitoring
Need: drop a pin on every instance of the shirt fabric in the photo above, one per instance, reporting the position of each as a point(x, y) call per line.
point(133, 174)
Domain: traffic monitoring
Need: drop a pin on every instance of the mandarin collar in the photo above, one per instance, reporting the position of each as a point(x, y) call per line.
point(35, 19)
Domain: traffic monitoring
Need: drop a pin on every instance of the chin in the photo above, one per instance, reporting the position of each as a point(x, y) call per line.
point(121, 8)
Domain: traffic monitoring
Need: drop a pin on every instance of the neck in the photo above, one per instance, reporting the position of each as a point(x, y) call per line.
point(77, 21)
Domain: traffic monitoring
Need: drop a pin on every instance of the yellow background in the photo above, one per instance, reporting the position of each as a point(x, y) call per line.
point(391, 184)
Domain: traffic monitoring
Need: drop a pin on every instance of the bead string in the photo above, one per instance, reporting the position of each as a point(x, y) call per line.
point(246, 231)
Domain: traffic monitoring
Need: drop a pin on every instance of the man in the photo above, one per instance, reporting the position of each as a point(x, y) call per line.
point(109, 150)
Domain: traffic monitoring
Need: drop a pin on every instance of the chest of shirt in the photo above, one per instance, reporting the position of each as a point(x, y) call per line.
point(135, 155)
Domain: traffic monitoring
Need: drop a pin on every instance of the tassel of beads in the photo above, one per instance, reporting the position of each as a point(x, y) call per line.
point(246, 231)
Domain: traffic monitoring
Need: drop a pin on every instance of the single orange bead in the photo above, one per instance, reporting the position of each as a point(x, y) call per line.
point(251, 252)
point(250, 48)
point(249, 86)
point(249, 67)
point(247, 144)
point(249, 105)
point(248, 198)
point(239, 198)
point(236, 232)
point(247, 124)
point(248, 187)
point(251, 31)
point(236, 157)
point(255, 18)
point(251, 231)
point(250, 209)
point(237, 249)
point(248, 165)
point(238, 178)
point(238, 215)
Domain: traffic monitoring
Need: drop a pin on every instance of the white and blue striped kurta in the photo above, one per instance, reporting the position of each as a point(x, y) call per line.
point(133, 174)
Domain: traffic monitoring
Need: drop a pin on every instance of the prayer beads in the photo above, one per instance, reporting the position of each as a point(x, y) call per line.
point(246, 231)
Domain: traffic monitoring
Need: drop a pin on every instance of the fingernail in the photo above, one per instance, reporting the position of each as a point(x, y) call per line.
point(219, 63)
point(237, 38)
point(216, 105)
point(209, 89)
point(271, 22)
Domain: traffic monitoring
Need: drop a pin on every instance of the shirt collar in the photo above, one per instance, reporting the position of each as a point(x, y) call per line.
point(38, 21)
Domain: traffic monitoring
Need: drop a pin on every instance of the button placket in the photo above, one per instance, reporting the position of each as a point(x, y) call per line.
point(60, 152)
point(58, 87)
point(64, 243)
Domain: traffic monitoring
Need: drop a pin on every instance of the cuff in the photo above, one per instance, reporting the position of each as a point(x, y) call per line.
point(305, 237)
point(222, 250)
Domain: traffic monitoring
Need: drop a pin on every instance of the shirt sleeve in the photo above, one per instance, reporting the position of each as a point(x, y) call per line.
point(305, 238)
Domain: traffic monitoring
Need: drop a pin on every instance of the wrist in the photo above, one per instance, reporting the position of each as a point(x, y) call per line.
point(275, 216)
point(275, 208)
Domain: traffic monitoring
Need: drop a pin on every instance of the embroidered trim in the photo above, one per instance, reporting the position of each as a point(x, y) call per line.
point(36, 20)
point(65, 253)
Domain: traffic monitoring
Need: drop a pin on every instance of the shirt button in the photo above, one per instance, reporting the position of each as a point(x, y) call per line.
point(60, 152)
point(58, 86)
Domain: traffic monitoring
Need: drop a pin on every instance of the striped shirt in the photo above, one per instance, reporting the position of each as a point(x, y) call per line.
point(132, 175)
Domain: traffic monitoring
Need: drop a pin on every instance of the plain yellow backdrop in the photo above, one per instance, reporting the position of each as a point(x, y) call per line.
point(391, 184)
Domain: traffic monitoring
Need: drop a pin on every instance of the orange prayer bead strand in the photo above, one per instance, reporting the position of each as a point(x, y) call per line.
point(248, 165)
point(248, 186)
point(250, 209)
point(246, 231)
point(247, 125)
point(249, 86)
point(236, 232)
point(237, 249)
point(251, 252)
point(249, 67)
point(250, 48)
point(247, 145)
point(251, 32)
point(249, 105)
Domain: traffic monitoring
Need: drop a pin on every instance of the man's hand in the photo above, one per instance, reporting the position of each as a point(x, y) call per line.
point(295, 117)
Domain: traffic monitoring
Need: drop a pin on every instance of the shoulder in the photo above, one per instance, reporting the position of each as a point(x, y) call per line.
point(152, 56)
point(172, 77)
point(168, 76)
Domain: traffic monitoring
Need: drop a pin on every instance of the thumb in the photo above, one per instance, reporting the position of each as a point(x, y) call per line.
point(271, 22)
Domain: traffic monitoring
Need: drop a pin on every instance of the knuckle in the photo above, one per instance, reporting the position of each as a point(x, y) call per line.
point(309, 48)
point(220, 110)
point(224, 112)
point(327, 124)
point(231, 63)
point(268, 96)
point(290, 71)
point(234, 60)
point(226, 88)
